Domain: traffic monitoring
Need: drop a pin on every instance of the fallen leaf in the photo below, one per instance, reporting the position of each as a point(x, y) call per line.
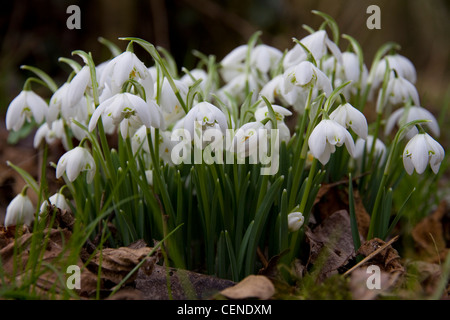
point(387, 259)
point(116, 264)
point(331, 244)
point(429, 236)
point(271, 269)
point(251, 287)
point(183, 284)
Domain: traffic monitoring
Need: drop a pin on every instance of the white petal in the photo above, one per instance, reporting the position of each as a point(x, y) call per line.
point(317, 140)
point(419, 153)
point(14, 116)
point(78, 85)
point(37, 105)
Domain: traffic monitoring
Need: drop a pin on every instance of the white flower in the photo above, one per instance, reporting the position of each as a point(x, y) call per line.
point(204, 116)
point(402, 66)
point(126, 105)
point(305, 75)
point(262, 113)
point(348, 70)
point(23, 107)
point(317, 43)
point(51, 134)
point(399, 91)
point(380, 149)
point(19, 210)
point(58, 200)
point(123, 67)
point(407, 114)
point(139, 142)
point(79, 85)
point(168, 100)
point(295, 221)
point(149, 176)
point(420, 150)
point(348, 116)
point(237, 88)
point(265, 58)
point(74, 162)
point(326, 136)
point(194, 75)
point(233, 64)
point(245, 141)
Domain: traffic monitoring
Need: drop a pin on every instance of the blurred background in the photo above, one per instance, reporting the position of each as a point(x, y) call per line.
point(34, 32)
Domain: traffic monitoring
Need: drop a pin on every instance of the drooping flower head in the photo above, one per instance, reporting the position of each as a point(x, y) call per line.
point(421, 150)
point(326, 136)
point(20, 210)
point(74, 162)
point(26, 106)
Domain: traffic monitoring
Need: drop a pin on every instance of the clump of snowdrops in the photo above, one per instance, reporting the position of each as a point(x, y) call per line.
point(208, 150)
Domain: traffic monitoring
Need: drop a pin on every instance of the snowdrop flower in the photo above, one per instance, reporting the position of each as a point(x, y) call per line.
point(399, 91)
point(402, 66)
point(275, 89)
point(245, 141)
point(233, 64)
point(305, 75)
point(295, 221)
point(380, 149)
point(237, 88)
point(169, 103)
point(326, 136)
point(126, 105)
point(57, 102)
point(204, 116)
point(59, 105)
point(194, 75)
point(79, 85)
point(317, 43)
point(20, 210)
point(58, 200)
point(348, 70)
point(262, 113)
point(265, 58)
point(74, 162)
point(420, 150)
point(348, 116)
point(123, 67)
point(149, 176)
point(139, 143)
point(25, 106)
point(407, 114)
point(51, 134)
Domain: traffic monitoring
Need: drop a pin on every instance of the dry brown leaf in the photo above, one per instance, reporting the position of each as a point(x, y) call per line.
point(116, 264)
point(251, 287)
point(429, 236)
point(387, 259)
point(183, 284)
point(271, 269)
point(331, 244)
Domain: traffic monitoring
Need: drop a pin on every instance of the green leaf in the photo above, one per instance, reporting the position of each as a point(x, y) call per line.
point(26, 176)
point(42, 75)
point(72, 63)
point(331, 23)
point(115, 50)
